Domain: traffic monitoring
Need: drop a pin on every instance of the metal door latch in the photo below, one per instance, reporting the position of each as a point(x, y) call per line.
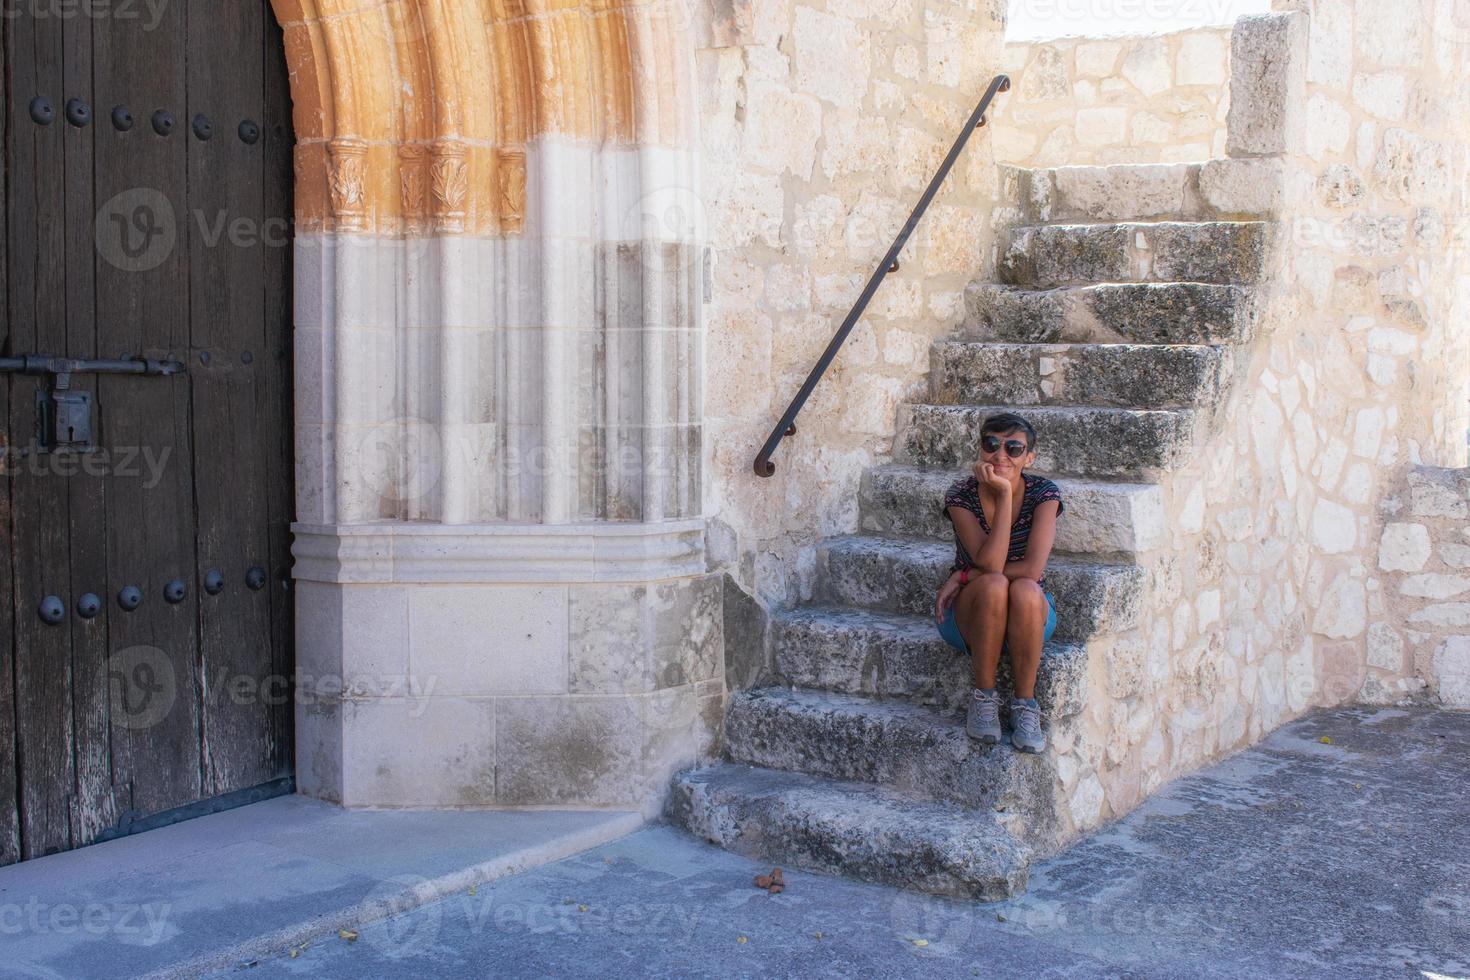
point(64, 416)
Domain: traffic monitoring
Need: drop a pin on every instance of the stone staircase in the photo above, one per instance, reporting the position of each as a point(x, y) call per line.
point(1117, 337)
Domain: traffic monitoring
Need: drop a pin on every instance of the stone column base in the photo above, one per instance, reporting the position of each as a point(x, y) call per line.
point(504, 664)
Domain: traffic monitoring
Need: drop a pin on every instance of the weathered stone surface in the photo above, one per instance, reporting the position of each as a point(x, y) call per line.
point(852, 829)
point(903, 575)
point(1120, 193)
point(1243, 187)
point(859, 651)
point(1452, 667)
point(1102, 518)
point(1168, 251)
point(1436, 493)
point(919, 751)
point(1122, 375)
point(1268, 61)
point(1149, 313)
point(1079, 441)
point(1403, 547)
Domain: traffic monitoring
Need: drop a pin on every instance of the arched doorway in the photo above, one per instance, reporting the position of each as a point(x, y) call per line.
point(148, 194)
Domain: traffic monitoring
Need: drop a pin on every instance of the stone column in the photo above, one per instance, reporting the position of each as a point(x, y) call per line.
point(502, 595)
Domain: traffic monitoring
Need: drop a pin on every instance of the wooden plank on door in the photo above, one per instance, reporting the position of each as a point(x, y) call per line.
point(39, 500)
point(276, 395)
point(85, 480)
point(9, 774)
point(142, 308)
point(227, 312)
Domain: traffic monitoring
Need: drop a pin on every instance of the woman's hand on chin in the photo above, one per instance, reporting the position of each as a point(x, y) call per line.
point(991, 480)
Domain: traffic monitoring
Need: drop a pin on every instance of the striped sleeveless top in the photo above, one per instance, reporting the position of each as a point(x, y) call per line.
point(966, 493)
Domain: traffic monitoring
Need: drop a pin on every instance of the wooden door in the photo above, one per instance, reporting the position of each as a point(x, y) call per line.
point(147, 218)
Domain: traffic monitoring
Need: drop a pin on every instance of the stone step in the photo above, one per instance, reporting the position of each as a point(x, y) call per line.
point(1167, 251)
point(921, 752)
point(1103, 519)
point(1139, 192)
point(863, 652)
point(1141, 313)
point(903, 575)
point(853, 829)
point(1119, 375)
point(1117, 192)
point(1128, 443)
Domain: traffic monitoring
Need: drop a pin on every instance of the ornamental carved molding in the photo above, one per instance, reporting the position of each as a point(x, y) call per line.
point(449, 181)
point(414, 124)
point(346, 181)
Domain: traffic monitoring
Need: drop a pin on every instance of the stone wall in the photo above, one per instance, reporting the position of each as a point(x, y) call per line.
point(1424, 564)
point(822, 123)
point(1076, 101)
point(1269, 597)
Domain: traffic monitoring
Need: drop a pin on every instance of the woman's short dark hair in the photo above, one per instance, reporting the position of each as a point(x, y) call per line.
point(1005, 423)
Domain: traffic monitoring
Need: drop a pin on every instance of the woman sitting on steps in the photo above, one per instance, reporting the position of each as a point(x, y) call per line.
point(994, 601)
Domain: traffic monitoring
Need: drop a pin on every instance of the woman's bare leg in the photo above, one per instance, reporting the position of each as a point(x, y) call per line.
point(980, 613)
point(1025, 626)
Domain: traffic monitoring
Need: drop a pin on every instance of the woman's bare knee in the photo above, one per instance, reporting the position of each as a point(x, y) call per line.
point(1025, 594)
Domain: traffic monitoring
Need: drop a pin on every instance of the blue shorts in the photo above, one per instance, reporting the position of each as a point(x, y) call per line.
point(950, 630)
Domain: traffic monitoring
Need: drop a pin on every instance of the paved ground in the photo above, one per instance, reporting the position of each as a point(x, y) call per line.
point(1298, 858)
point(201, 894)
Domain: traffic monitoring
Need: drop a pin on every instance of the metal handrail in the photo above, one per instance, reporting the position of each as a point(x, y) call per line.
point(787, 425)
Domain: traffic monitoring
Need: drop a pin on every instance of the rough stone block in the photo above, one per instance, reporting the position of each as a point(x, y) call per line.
point(1147, 67)
point(1243, 187)
point(585, 751)
point(1220, 252)
point(833, 57)
point(1385, 647)
point(916, 750)
point(1436, 493)
point(1121, 375)
point(903, 575)
point(429, 752)
point(1103, 518)
point(1145, 313)
point(1102, 125)
point(1120, 192)
point(1094, 442)
point(1433, 585)
point(1202, 59)
point(1268, 61)
point(1452, 671)
point(852, 829)
point(1403, 547)
point(863, 652)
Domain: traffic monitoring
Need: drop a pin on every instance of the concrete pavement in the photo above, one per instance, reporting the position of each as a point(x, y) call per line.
point(1298, 858)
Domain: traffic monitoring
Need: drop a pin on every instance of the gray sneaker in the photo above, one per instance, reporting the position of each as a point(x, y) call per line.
point(983, 721)
point(1026, 733)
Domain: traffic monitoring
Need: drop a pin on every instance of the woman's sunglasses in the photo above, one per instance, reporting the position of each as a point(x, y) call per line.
point(1015, 448)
